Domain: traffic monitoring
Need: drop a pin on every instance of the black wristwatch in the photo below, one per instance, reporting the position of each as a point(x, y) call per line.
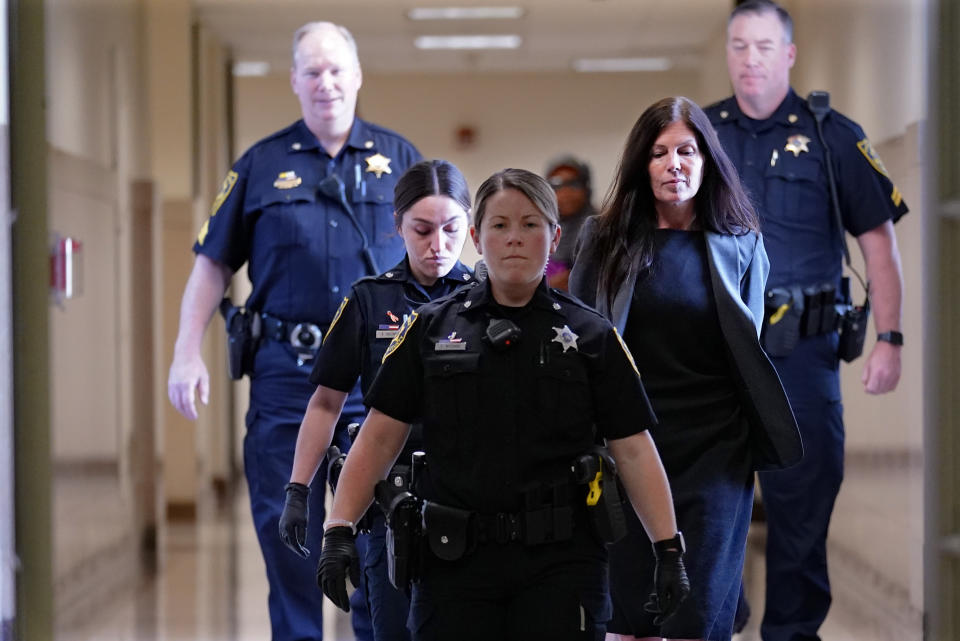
point(674, 543)
point(892, 337)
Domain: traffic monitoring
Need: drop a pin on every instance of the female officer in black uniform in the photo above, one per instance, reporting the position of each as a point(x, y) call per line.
point(512, 382)
point(431, 202)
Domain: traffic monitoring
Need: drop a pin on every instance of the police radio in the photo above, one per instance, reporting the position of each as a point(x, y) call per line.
point(502, 333)
point(852, 325)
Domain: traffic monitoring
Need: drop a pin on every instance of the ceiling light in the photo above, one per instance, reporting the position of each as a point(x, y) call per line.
point(621, 64)
point(251, 68)
point(465, 13)
point(468, 42)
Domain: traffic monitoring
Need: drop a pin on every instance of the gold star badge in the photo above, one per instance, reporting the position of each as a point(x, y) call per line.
point(797, 143)
point(378, 164)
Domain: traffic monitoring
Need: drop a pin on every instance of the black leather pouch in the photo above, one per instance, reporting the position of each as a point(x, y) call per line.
point(451, 532)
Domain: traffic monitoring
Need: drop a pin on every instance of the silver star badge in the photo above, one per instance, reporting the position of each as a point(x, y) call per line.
point(565, 337)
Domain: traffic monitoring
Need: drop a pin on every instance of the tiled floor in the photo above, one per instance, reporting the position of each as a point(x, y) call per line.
point(212, 587)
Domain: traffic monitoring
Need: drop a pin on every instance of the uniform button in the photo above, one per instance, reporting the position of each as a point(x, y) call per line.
point(335, 289)
point(749, 163)
point(334, 223)
point(754, 136)
point(380, 197)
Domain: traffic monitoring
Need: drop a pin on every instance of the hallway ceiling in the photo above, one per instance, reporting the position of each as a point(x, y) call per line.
point(554, 32)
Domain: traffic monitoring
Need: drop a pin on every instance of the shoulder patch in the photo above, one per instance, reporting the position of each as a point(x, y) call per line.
point(336, 316)
point(204, 228)
point(401, 335)
point(626, 350)
point(225, 190)
point(872, 157)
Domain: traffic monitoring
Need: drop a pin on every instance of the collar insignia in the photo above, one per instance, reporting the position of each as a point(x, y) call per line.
point(378, 164)
point(797, 143)
point(287, 180)
point(565, 337)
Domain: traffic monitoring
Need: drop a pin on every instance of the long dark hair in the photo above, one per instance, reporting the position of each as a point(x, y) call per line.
point(429, 178)
point(628, 217)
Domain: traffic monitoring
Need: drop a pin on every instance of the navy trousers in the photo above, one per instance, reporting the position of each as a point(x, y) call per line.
point(388, 606)
point(279, 392)
point(799, 501)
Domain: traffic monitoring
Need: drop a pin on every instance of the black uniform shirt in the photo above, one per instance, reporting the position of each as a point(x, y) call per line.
point(495, 420)
point(782, 164)
point(367, 321)
point(303, 249)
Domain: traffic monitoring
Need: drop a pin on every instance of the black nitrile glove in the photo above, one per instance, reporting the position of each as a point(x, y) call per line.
point(337, 558)
point(671, 585)
point(293, 519)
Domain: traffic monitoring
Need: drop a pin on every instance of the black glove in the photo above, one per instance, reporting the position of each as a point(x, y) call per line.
point(293, 519)
point(337, 558)
point(671, 585)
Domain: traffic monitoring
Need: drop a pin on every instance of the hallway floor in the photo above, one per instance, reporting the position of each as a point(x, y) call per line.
point(211, 587)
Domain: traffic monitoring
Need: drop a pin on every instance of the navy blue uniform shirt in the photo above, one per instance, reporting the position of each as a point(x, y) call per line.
point(303, 249)
point(495, 420)
point(782, 164)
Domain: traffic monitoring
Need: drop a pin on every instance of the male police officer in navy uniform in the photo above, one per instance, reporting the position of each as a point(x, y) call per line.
point(310, 209)
point(770, 134)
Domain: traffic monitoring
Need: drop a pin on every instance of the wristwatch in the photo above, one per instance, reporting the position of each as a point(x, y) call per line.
point(892, 337)
point(673, 544)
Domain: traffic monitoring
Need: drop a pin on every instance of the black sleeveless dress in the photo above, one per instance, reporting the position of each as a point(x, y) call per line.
point(674, 334)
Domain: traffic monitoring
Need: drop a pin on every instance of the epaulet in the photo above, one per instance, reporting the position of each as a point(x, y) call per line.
point(570, 299)
point(718, 112)
point(380, 130)
point(366, 279)
point(846, 124)
point(462, 291)
point(275, 135)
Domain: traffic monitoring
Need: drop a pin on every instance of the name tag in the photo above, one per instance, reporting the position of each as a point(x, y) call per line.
point(387, 333)
point(446, 346)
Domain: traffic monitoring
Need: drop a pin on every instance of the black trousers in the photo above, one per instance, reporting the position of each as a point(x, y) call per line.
point(554, 591)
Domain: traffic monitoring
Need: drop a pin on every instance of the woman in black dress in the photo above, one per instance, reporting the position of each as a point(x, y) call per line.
point(676, 262)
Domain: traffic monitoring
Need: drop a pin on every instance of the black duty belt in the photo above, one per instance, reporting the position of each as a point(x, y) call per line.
point(301, 335)
point(544, 525)
point(501, 527)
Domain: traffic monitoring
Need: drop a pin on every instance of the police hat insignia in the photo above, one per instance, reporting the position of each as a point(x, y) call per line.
point(565, 337)
point(287, 180)
point(797, 143)
point(378, 164)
